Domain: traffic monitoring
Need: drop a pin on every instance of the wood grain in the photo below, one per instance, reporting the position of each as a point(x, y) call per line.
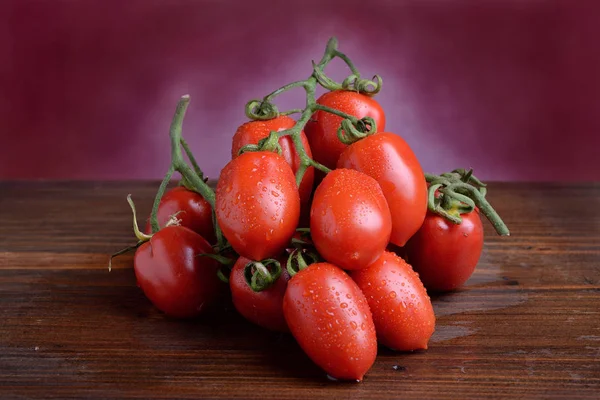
point(526, 325)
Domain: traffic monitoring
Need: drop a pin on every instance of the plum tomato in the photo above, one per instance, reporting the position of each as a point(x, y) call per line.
point(388, 159)
point(446, 254)
point(321, 129)
point(173, 277)
point(264, 308)
point(402, 311)
point(253, 131)
point(329, 317)
point(192, 211)
point(350, 220)
point(257, 204)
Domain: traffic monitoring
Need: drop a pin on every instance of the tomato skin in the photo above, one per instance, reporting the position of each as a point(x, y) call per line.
point(192, 211)
point(350, 221)
point(170, 274)
point(330, 318)
point(253, 131)
point(445, 254)
point(263, 308)
point(388, 159)
point(402, 311)
point(257, 204)
point(321, 129)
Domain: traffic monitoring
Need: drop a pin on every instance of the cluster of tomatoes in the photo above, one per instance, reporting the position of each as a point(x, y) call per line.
point(314, 235)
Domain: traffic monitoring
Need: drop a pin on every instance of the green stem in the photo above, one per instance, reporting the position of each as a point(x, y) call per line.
point(337, 112)
point(177, 161)
point(265, 109)
point(157, 199)
point(192, 159)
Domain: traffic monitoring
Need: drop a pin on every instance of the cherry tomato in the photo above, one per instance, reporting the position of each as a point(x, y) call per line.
point(390, 161)
point(252, 132)
point(257, 204)
point(192, 211)
point(330, 318)
point(445, 254)
point(402, 311)
point(350, 220)
point(173, 277)
point(322, 128)
point(263, 308)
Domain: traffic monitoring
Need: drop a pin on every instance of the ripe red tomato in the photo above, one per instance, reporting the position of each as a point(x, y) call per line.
point(252, 132)
point(330, 318)
point(322, 128)
point(390, 161)
point(173, 277)
point(350, 220)
point(257, 204)
point(263, 308)
point(445, 254)
point(192, 210)
point(402, 311)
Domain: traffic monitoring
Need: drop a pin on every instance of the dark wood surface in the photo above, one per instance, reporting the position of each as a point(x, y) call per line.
point(526, 325)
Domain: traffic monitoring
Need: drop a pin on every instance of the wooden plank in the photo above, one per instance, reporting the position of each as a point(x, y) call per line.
point(527, 323)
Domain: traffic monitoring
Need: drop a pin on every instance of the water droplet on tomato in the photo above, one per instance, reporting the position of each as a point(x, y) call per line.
point(353, 325)
point(344, 305)
point(393, 295)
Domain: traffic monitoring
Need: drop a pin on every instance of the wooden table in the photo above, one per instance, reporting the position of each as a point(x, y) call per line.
point(526, 325)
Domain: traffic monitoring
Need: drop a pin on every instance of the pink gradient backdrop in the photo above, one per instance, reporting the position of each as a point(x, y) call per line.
point(87, 88)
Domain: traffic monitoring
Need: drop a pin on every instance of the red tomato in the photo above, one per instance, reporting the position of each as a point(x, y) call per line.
point(390, 161)
point(173, 277)
point(350, 220)
point(402, 311)
point(263, 308)
point(330, 318)
point(445, 254)
point(257, 204)
point(252, 132)
point(322, 128)
point(192, 210)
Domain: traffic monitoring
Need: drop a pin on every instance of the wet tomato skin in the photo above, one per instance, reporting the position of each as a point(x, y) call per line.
point(402, 311)
point(257, 204)
point(388, 159)
point(173, 277)
point(330, 318)
point(446, 254)
point(321, 129)
point(253, 131)
point(350, 220)
point(192, 212)
point(264, 308)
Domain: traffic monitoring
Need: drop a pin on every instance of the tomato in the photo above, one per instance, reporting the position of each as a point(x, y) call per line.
point(252, 132)
point(322, 128)
point(445, 254)
point(330, 318)
point(402, 311)
point(263, 308)
point(173, 277)
point(192, 211)
point(257, 204)
point(390, 161)
point(350, 220)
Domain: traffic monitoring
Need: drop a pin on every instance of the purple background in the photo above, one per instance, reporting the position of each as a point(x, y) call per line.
point(88, 88)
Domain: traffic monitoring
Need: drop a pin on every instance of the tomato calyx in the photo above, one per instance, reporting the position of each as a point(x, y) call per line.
point(261, 275)
point(460, 192)
point(300, 259)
